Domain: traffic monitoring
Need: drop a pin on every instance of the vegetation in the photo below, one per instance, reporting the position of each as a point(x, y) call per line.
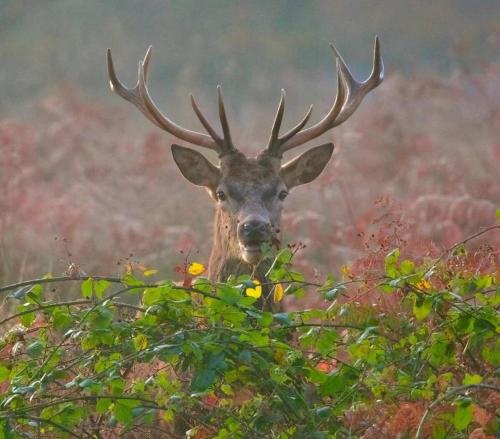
point(401, 343)
point(200, 357)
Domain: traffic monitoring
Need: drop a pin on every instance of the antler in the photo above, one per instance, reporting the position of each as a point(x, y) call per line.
point(140, 97)
point(350, 93)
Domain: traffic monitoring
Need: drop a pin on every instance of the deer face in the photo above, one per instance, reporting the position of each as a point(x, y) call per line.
point(250, 192)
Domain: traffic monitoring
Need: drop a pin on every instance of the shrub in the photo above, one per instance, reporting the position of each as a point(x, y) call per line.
point(133, 355)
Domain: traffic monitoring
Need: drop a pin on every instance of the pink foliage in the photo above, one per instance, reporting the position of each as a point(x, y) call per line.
point(417, 168)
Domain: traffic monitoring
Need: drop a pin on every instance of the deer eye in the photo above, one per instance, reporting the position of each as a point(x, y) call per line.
point(221, 196)
point(282, 195)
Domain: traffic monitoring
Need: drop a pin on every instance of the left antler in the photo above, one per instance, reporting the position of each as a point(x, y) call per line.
point(141, 98)
point(350, 93)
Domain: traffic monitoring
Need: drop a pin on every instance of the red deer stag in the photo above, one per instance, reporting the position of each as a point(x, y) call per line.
point(249, 192)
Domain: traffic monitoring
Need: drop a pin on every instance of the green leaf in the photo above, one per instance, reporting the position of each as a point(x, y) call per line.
point(34, 296)
point(130, 280)
point(284, 256)
point(91, 287)
point(140, 342)
point(229, 294)
point(203, 284)
point(102, 405)
point(463, 413)
point(492, 353)
point(117, 385)
point(101, 318)
point(4, 373)
point(439, 432)
point(100, 287)
point(86, 288)
point(255, 338)
point(173, 293)
point(283, 318)
point(87, 382)
point(333, 385)
point(152, 296)
point(472, 379)
point(326, 342)
point(203, 380)
point(422, 307)
point(390, 262)
point(35, 349)
point(317, 377)
point(28, 319)
point(168, 416)
point(333, 293)
point(61, 319)
point(323, 412)
point(407, 267)
point(386, 288)
point(123, 410)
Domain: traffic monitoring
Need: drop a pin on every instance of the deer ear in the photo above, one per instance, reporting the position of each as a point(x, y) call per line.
point(307, 166)
point(195, 167)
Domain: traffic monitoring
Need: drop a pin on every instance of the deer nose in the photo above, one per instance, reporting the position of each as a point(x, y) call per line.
point(255, 229)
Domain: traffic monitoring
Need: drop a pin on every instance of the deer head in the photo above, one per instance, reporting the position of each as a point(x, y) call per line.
point(249, 192)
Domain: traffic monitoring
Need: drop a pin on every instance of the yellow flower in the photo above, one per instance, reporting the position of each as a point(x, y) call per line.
point(149, 272)
point(195, 268)
point(278, 293)
point(346, 271)
point(254, 292)
point(424, 284)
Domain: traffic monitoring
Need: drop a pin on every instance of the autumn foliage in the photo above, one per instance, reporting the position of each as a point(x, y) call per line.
point(391, 323)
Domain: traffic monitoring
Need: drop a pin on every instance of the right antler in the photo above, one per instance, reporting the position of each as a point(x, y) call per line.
point(140, 97)
point(350, 93)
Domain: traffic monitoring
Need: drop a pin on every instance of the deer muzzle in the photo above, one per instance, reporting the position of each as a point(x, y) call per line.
point(252, 233)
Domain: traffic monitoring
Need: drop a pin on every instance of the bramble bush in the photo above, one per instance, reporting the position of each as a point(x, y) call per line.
point(133, 355)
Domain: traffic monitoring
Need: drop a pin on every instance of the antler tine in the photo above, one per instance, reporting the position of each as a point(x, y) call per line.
point(275, 142)
point(356, 91)
point(169, 126)
point(297, 127)
point(140, 97)
point(275, 131)
point(350, 93)
point(204, 121)
point(228, 143)
point(129, 94)
point(323, 125)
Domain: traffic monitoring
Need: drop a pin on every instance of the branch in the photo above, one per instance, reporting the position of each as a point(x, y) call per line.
point(44, 421)
point(448, 395)
point(57, 279)
point(458, 244)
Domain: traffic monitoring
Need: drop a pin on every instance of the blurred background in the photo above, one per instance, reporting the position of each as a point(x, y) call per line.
point(86, 179)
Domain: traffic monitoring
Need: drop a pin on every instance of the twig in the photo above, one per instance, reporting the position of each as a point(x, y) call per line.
point(448, 395)
point(458, 244)
point(57, 279)
point(45, 421)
